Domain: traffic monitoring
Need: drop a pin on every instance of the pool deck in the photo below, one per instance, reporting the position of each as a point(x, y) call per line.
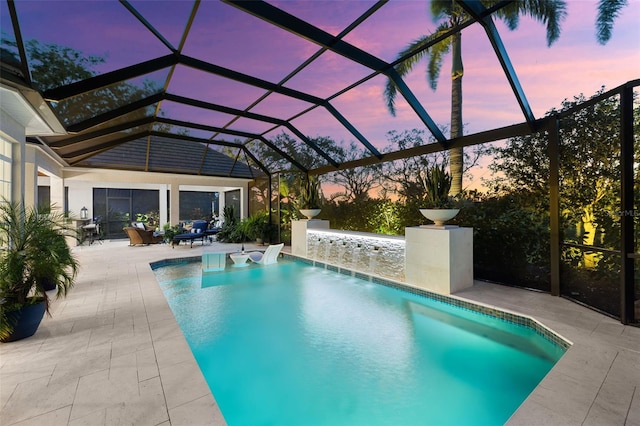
point(112, 353)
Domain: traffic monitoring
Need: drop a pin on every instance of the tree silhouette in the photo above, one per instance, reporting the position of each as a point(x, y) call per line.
point(53, 66)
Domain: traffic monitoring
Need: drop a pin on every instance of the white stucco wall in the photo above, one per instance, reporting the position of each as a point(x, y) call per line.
point(13, 132)
point(24, 113)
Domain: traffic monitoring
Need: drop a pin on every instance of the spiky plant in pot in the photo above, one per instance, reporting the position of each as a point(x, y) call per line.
point(34, 251)
point(309, 193)
point(437, 183)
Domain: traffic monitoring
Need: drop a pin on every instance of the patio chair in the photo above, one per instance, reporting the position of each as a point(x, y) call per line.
point(91, 231)
point(141, 236)
point(197, 232)
point(269, 256)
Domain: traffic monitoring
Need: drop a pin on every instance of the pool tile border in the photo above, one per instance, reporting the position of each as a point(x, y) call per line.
point(174, 261)
point(511, 317)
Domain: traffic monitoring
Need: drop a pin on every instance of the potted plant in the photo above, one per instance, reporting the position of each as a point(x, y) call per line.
point(170, 231)
point(34, 250)
point(309, 199)
point(258, 227)
point(439, 205)
point(48, 273)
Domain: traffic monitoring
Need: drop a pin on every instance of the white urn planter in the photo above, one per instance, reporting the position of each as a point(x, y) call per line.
point(439, 216)
point(310, 213)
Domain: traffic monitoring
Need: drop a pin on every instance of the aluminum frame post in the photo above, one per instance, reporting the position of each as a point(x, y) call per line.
point(627, 212)
point(553, 133)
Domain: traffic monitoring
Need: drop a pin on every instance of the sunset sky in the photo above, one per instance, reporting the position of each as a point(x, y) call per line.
point(224, 35)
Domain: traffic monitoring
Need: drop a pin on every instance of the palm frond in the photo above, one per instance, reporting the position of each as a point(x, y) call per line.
point(438, 51)
point(608, 11)
point(548, 12)
point(441, 9)
point(403, 68)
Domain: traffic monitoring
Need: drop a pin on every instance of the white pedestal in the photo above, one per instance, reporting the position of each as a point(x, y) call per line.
point(213, 261)
point(299, 234)
point(439, 259)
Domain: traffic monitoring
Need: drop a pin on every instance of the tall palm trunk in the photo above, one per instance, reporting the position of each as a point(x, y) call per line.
point(456, 157)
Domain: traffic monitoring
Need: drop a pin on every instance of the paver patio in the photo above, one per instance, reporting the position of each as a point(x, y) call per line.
point(112, 353)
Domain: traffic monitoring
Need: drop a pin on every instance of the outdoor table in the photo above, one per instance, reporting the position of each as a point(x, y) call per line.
point(239, 259)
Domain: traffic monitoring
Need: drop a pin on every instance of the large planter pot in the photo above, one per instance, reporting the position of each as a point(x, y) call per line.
point(26, 321)
point(439, 216)
point(310, 213)
point(48, 284)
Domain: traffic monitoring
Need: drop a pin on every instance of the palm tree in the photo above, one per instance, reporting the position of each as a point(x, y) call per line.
point(450, 14)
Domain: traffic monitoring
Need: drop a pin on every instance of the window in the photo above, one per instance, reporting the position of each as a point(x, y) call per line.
point(232, 198)
point(196, 205)
point(5, 169)
point(44, 197)
point(116, 208)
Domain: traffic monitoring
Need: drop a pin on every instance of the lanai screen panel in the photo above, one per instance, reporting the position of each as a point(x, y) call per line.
point(259, 64)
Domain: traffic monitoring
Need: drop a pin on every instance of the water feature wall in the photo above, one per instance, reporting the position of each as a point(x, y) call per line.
point(373, 254)
point(435, 258)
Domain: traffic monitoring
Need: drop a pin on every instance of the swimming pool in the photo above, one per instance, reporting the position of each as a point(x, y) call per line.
point(292, 344)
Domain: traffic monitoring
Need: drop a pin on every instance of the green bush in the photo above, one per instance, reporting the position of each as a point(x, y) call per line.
point(232, 231)
point(257, 226)
point(170, 232)
point(510, 242)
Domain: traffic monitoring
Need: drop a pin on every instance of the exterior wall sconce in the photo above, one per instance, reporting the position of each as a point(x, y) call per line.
point(84, 213)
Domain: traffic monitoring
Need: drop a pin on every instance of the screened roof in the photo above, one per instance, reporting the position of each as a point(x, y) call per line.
point(239, 88)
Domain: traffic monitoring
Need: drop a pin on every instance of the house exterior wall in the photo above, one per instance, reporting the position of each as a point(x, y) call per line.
point(22, 163)
point(27, 160)
point(13, 133)
point(82, 181)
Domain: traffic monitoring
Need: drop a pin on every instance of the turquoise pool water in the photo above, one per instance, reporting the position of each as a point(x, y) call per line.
point(291, 344)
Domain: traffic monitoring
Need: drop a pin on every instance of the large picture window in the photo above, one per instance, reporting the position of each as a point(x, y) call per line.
point(232, 198)
point(117, 208)
point(196, 205)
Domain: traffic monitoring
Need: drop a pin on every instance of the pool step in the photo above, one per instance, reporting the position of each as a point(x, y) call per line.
point(529, 344)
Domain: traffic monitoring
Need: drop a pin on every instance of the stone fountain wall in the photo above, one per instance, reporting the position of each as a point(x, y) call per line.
point(435, 258)
point(358, 251)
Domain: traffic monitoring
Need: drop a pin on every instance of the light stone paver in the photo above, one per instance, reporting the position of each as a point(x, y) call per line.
point(36, 397)
point(596, 382)
point(183, 383)
point(633, 416)
point(198, 412)
point(113, 354)
point(58, 417)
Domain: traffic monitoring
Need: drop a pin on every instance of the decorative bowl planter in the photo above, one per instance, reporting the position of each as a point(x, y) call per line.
point(310, 213)
point(439, 216)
